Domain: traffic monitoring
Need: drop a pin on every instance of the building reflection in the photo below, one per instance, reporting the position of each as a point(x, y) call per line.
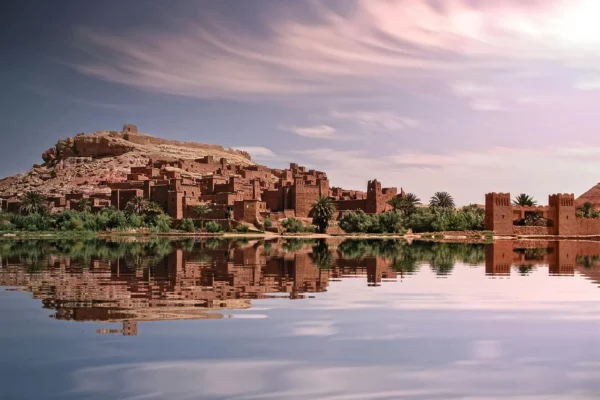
point(563, 258)
point(202, 283)
point(207, 280)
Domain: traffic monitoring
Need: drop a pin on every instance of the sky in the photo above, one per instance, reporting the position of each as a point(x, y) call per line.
point(463, 96)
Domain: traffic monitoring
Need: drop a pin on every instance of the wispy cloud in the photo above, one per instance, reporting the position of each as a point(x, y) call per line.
point(315, 132)
point(365, 47)
point(258, 152)
point(377, 120)
point(480, 97)
point(467, 174)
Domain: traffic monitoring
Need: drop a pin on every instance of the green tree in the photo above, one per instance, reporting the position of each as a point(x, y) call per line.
point(442, 200)
point(535, 219)
point(409, 204)
point(187, 225)
point(84, 205)
point(292, 225)
point(322, 212)
point(201, 211)
point(213, 227)
point(34, 203)
point(524, 200)
point(268, 223)
point(322, 256)
point(137, 205)
point(395, 203)
point(587, 210)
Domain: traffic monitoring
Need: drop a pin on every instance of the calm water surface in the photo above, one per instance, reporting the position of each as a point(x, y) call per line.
point(298, 319)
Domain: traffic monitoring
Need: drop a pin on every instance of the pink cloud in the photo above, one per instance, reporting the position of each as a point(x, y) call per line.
point(379, 41)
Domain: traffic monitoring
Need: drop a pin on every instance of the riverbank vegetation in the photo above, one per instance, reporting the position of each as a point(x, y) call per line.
point(141, 215)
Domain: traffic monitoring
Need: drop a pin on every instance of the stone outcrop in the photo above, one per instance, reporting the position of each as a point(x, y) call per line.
point(96, 145)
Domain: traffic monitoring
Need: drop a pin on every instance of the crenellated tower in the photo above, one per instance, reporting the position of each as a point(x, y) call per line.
point(565, 219)
point(498, 213)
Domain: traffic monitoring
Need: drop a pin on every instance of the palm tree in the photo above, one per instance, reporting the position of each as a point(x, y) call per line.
point(322, 256)
point(201, 210)
point(34, 203)
point(524, 200)
point(153, 209)
point(586, 210)
point(410, 201)
point(395, 203)
point(84, 205)
point(441, 200)
point(322, 212)
point(138, 205)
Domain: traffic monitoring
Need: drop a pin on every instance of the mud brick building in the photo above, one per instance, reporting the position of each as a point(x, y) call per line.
point(248, 193)
point(243, 191)
point(560, 214)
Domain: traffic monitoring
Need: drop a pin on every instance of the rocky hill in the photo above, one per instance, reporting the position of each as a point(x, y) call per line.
point(86, 162)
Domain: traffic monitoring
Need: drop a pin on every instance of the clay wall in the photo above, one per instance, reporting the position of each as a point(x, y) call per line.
point(520, 212)
point(76, 196)
point(303, 197)
point(272, 199)
point(56, 201)
point(251, 173)
point(208, 198)
point(137, 177)
point(120, 198)
point(190, 191)
point(351, 205)
point(248, 210)
point(146, 170)
point(588, 226)
point(160, 195)
point(209, 184)
point(228, 198)
point(199, 166)
point(532, 230)
point(125, 185)
point(130, 128)
point(377, 197)
point(341, 194)
point(217, 211)
point(13, 206)
point(175, 204)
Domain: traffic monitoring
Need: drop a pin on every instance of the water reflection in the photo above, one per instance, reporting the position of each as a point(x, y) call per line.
point(134, 281)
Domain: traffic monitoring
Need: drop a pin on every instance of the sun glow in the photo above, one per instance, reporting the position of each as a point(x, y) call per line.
point(578, 22)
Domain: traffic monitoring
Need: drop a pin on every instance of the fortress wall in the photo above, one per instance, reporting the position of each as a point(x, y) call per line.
point(588, 226)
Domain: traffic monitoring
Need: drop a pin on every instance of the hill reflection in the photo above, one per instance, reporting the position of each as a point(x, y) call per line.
point(160, 279)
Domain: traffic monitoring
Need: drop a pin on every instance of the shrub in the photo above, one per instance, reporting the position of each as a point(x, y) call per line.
point(6, 227)
point(163, 223)
point(187, 225)
point(310, 229)
point(117, 220)
point(213, 227)
point(242, 228)
point(268, 223)
point(359, 222)
point(292, 225)
point(355, 222)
